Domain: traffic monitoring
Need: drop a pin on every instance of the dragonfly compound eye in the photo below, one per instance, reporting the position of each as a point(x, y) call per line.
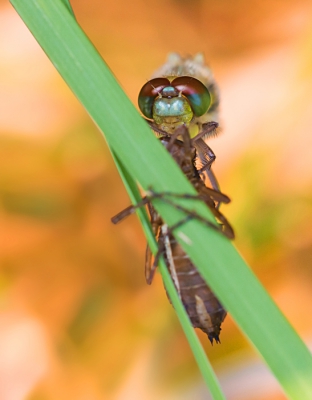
point(149, 92)
point(196, 93)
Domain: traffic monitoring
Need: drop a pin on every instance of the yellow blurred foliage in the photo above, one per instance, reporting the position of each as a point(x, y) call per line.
point(77, 320)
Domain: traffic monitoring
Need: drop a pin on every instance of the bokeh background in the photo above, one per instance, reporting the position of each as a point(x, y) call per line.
point(77, 320)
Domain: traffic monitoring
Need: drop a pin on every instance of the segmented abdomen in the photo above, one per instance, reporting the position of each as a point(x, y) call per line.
point(203, 308)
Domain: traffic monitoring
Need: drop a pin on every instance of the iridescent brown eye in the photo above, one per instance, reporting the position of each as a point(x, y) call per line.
point(148, 94)
point(196, 93)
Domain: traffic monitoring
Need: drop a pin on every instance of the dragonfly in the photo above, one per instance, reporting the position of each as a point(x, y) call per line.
point(202, 306)
point(183, 91)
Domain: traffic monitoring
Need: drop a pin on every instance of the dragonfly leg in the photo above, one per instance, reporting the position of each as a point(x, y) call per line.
point(190, 213)
point(151, 262)
point(224, 227)
point(208, 129)
point(128, 211)
point(204, 153)
point(206, 195)
point(213, 180)
point(206, 157)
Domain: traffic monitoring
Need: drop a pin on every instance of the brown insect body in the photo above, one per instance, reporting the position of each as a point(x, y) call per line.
point(173, 107)
point(202, 306)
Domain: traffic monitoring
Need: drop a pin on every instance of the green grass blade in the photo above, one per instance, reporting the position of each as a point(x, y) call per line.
point(198, 351)
point(227, 274)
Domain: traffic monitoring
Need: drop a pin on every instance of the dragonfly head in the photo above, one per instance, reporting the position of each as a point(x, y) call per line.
point(171, 103)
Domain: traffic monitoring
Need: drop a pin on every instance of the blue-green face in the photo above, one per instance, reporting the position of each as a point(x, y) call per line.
point(174, 109)
point(174, 102)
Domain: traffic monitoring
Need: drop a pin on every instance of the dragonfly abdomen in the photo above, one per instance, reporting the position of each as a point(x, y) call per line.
point(203, 308)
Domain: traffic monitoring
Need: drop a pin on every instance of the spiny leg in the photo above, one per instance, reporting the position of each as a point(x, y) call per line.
point(224, 228)
point(203, 151)
point(190, 213)
point(164, 196)
point(206, 157)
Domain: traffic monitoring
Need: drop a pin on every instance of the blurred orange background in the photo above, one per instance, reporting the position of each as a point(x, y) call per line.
point(77, 319)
